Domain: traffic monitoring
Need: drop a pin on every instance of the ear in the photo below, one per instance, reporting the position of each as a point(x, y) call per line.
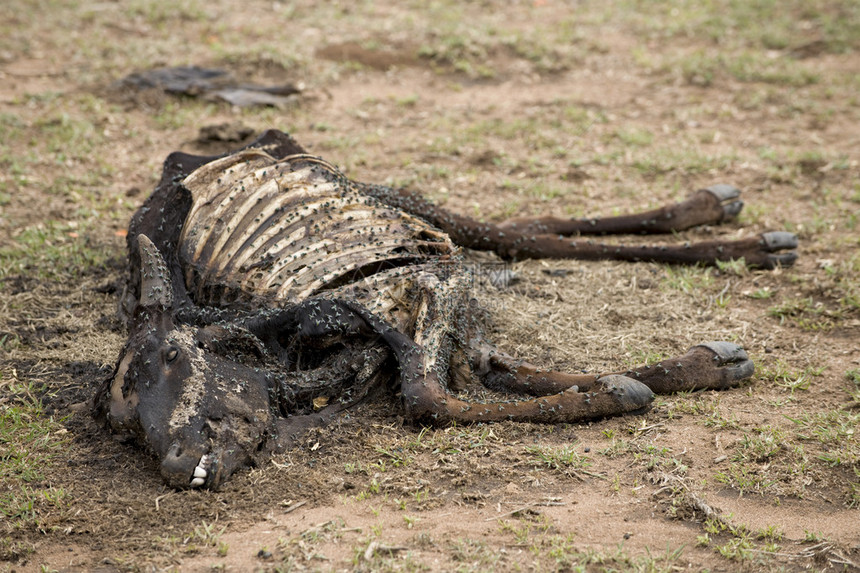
point(155, 285)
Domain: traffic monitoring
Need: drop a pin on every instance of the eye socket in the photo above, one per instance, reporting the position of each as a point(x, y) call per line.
point(171, 355)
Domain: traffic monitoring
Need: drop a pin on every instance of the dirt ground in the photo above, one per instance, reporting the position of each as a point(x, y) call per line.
point(492, 109)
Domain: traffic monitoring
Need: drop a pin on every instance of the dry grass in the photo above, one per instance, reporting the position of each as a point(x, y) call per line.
point(527, 108)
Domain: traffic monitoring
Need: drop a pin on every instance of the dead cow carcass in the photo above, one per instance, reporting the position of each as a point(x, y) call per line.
point(267, 292)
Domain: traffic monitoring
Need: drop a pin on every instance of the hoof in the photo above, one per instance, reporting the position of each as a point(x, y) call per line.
point(731, 359)
point(724, 192)
point(727, 195)
point(726, 352)
point(777, 241)
point(632, 395)
point(781, 260)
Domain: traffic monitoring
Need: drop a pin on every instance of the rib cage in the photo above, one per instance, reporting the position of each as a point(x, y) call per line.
point(283, 231)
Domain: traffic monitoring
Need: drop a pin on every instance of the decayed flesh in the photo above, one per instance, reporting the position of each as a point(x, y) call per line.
point(288, 230)
point(285, 231)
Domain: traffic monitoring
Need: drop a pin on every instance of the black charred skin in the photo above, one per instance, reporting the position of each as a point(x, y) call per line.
point(267, 292)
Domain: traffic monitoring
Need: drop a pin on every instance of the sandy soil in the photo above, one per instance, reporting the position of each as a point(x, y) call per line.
point(493, 110)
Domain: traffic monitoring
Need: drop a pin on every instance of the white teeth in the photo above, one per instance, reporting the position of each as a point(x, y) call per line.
point(201, 471)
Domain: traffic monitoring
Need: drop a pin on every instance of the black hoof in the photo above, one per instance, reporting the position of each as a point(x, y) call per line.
point(781, 260)
point(634, 396)
point(778, 240)
point(732, 359)
point(724, 193)
point(726, 352)
point(732, 210)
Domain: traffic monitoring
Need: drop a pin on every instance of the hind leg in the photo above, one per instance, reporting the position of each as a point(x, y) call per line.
point(767, 250)
point(715, 204)
point(763, 251)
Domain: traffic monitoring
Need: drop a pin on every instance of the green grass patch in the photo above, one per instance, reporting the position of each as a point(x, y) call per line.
point(29, 442)
point(693, 280)
point(458, 50)
point(161, 15)
point(704, 68)
point(706, 409)
point(811, 315)
point(552, 551)
point(789, 379)
point(766, 462)
point(564, 459)
point(635, 137)
point(760, 446)
point(178, 113)
point(679, 159)
point(28, 438)
point(793, 25)
point(66, 136)
point(834, 430)
point(53, 251)
point(740, 544)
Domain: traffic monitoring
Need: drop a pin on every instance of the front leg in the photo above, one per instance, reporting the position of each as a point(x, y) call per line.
point(317, 322)
point(426, 400)
point(712, 365)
